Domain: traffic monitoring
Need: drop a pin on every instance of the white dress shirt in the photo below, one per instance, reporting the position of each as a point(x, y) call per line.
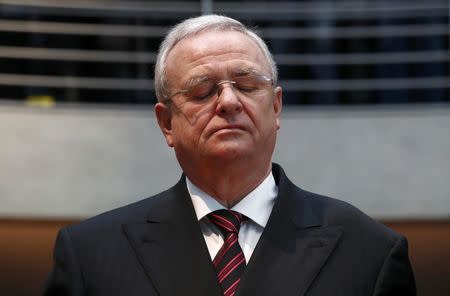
point(257, 206)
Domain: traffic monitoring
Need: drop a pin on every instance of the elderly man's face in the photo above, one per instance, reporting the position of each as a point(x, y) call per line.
point(223, 105)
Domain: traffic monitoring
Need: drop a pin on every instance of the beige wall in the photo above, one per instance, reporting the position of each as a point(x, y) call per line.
point(77, 161)
point(60, 164)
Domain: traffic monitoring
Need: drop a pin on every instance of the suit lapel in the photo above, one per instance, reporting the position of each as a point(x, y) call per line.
point(293, 247)
point(289, 255)
point(171, 248)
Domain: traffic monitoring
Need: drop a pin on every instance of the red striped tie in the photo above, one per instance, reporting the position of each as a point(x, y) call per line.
point(229, 261)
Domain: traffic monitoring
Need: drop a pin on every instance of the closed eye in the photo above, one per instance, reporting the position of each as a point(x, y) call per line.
point(248, 84)
point(202, 91)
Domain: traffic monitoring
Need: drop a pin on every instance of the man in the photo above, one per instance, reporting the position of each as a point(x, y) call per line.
point(234, 224)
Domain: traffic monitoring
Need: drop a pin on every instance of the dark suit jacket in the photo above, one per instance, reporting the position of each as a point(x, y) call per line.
point(312, 245)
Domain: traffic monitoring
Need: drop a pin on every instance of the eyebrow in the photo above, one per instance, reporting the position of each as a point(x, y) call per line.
point(195, 80)
point(244, 72)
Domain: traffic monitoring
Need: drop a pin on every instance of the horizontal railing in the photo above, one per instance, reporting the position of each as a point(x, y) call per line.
point(279, 33)
point(339, 36)
point(288, 85)
point(80, 55)
point(311, 9)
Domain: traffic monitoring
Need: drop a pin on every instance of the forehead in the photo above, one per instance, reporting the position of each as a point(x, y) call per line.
point(213, 51)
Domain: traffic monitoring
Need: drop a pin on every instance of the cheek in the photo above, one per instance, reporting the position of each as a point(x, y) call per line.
point(260, 115)
point(185, 134)
point(266, 124)
point(180, 131)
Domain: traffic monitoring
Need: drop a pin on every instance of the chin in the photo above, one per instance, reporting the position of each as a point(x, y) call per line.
point(232, 152)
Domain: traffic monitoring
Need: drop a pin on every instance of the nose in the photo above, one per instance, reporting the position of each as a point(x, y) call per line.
point(228, 101)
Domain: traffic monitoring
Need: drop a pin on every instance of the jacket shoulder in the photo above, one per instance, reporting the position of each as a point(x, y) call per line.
point(333, 211)
point(111, 220)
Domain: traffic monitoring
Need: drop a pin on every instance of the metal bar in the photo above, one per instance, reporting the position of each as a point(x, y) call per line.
point(326, 7)
point(75, 82)
point(288, 85)
point(334, 16)
point(242, 13)
point(105, 56)
point(252, 7)
point(82, 29)
point(366, 84)
point(363, 58)
point(275, 33)
point(351, 32)
point(123, 6)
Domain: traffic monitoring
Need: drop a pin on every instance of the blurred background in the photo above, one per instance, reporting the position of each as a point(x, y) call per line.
point(366, 116)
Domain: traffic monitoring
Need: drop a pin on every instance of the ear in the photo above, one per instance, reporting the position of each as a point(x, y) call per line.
point(277, 104)
point(164, 117)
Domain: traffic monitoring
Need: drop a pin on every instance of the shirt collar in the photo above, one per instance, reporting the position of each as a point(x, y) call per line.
point(257, 205)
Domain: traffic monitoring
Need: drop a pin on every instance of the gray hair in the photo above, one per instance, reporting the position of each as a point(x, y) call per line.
point(192, 27)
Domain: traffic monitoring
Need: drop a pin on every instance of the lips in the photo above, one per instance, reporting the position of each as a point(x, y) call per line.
point(228, 127)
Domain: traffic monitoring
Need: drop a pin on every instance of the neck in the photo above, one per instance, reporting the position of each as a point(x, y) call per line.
point(228, 184)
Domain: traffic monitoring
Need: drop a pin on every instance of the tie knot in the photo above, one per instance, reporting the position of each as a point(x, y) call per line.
point(226, 220)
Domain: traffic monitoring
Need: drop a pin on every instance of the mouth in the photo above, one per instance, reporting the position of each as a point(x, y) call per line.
point(228, 128)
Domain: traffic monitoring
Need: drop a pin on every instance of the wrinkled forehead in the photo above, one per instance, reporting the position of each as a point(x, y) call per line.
point(214, 51)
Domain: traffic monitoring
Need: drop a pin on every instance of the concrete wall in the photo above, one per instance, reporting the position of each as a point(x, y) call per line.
point(77, 161)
